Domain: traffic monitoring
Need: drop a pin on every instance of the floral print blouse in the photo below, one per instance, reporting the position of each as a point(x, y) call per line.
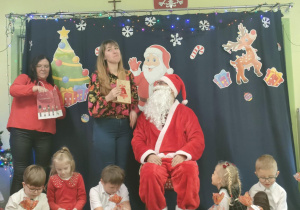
point(99, 107)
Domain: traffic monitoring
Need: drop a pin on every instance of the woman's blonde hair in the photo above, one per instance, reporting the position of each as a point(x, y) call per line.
point(102, 68)
point(63, 154)
point(230, 177)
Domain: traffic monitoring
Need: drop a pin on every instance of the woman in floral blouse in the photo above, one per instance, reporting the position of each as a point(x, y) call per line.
point(113, 122)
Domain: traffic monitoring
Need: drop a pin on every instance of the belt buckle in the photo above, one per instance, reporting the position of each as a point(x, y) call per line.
point(117, 117)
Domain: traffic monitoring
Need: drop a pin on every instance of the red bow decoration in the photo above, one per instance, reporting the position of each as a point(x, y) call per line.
point(225, 164)
point(28, 204)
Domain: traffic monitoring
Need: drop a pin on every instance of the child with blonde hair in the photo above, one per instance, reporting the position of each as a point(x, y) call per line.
point(30, 196)
point(227, 179)
point(266, 171)
point(66, 188)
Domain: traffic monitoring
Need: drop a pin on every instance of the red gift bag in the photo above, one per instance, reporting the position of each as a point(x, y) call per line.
point(48, 104)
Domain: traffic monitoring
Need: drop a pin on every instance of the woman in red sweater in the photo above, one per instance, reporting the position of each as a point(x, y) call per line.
point(27, 132)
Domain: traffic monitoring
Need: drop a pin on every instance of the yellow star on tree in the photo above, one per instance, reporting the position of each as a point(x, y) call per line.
point(63, 33)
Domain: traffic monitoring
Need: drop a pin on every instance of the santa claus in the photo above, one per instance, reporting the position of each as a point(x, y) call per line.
point(168, 140)
point(156, 65)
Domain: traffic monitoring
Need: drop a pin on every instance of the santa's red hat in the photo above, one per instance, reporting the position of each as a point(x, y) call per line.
point(162, 54)
point(176, 84)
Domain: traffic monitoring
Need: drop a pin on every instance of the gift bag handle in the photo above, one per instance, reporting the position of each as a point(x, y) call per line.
point(41, 83)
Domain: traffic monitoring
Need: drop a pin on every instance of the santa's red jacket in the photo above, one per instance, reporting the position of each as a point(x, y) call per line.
point(181, 134)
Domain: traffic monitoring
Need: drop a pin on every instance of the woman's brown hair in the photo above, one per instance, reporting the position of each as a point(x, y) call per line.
point(102, 68)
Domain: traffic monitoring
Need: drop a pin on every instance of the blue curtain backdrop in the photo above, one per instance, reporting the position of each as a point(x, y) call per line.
point(240, 122)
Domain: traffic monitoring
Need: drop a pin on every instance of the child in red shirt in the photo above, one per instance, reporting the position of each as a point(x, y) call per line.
point(66, 190)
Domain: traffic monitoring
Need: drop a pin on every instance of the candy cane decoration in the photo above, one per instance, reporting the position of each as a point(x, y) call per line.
point(198, 48)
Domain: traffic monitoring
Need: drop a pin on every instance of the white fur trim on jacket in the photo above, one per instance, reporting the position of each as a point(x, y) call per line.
point(166, 126)
point(188, 156)
point(144, 156)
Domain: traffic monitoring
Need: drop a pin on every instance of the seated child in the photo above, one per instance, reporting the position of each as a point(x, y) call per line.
point(30, 196)
point(267, 172)
point(65, 190)
point(226, 179)
point(110, 193)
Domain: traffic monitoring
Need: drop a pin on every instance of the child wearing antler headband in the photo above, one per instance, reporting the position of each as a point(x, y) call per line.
point(226, 178)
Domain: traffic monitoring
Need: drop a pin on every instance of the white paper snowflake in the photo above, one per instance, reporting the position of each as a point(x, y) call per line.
point(204, 25)
point(170, 3)
point(266, 22)
point(81, 26)
point(127, 31)
point(176, 39)
point(150, 21)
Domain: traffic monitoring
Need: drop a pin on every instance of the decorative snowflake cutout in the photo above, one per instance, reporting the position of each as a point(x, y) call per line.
point(97, 51)
point(170, 3)
point(81, 26)
point(127, 31)
point(176, 39)
point(150, 21)
point(204, 25)
point(266, 22)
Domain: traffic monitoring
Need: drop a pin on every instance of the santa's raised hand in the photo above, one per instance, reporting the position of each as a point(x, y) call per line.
point(134, 64)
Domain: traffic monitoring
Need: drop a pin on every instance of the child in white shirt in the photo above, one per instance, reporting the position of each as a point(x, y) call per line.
point(110, 193)
point(266, 170)
point(30, 196)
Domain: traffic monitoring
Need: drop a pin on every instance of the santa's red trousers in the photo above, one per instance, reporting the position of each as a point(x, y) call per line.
point(185, 179)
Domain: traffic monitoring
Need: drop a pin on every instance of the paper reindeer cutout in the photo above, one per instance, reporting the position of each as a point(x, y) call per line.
point(246, 61)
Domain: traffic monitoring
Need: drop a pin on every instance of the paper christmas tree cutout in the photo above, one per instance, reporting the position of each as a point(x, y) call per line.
point(68, 73)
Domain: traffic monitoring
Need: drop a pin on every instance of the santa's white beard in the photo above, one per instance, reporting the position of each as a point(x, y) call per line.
point(155, 74)
point(158, 105)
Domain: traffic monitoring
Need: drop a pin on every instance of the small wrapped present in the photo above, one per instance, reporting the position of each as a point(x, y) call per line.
point(297, 176)
point(222, 79)
point(273, 78)
point(69, 96)
point(82, 92)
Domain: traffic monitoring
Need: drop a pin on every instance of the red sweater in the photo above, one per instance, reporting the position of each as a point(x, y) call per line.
point(24, 112)
point(66, 194)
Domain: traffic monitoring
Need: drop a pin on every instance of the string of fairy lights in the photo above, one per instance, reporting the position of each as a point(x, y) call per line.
point(110, 15)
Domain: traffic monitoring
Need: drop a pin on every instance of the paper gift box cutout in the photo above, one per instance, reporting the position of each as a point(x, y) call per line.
point(222, 79)
point(69, 96)
point(273, 78)
point(125, 96)
point(82, 92)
